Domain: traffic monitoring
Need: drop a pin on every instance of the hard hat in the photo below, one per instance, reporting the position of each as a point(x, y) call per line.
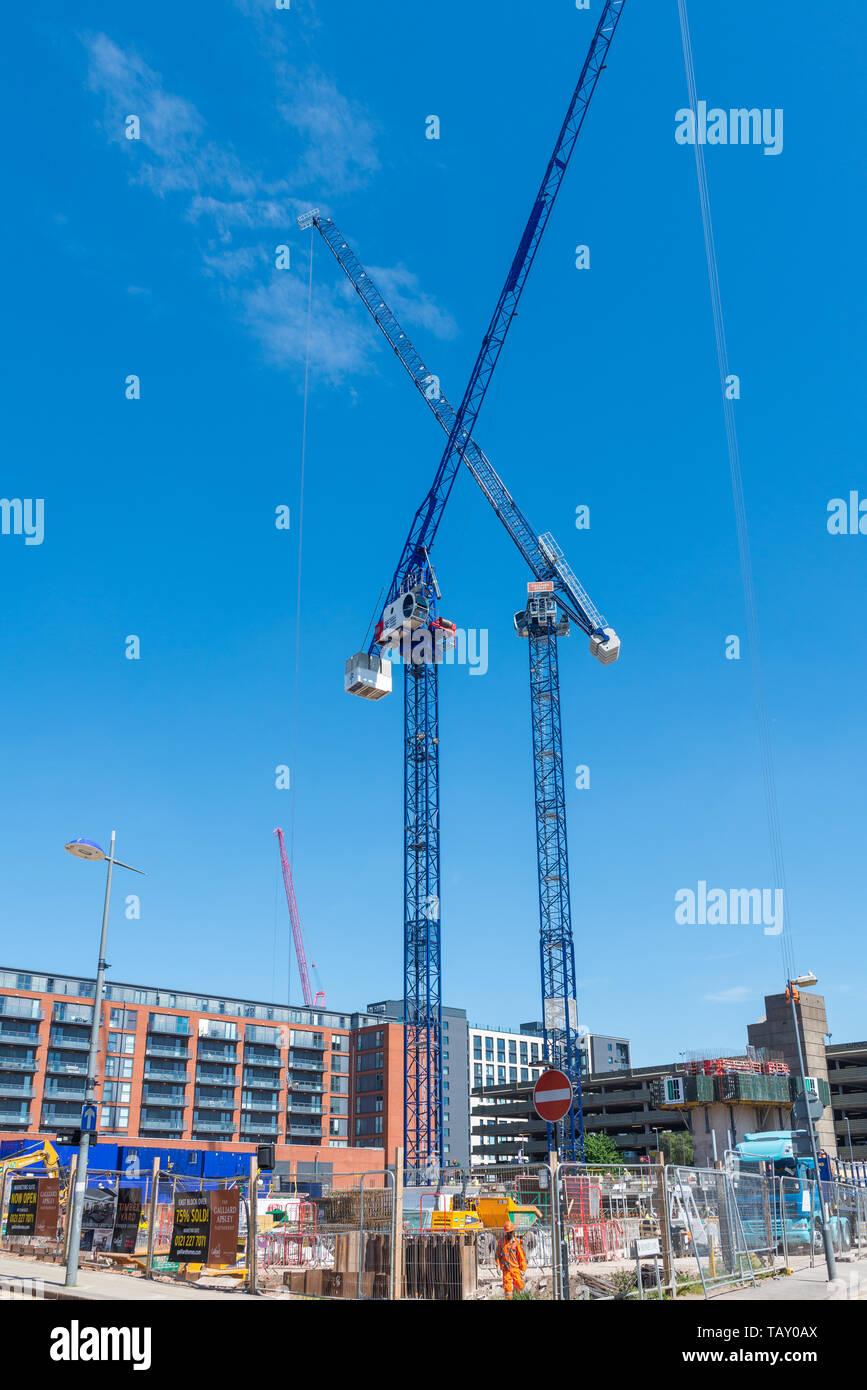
point(508, 1226)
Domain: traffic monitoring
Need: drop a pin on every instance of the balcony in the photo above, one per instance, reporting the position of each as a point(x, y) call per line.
point(257, 1104)
point(61, 1119)
point(224, 1077)
point(260, 1059)
point(13, 1007)
point(158, 1048)
point(70, 1067)
point(14, 1115)
point(78, 1015)
point(176, 1126)
point(70, 1042)
point(215, 1103)
point(262, 1083)
point(307, 1066)
point(268, 1037)
point(269, 1128)
point(173, 1098)
point(302, 1128)
point(214, 1028)
point(65, 1093)
point(302, 1107)
point(310, 1042)
point(306, 1086)
point(214, 1126)
point(154, 1072)
point(216, 1052)
point(15, 1032)
point(11, 1064)
point(168, 1023)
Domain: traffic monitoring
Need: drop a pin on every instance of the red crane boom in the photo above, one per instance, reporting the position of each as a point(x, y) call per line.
point(297, 934)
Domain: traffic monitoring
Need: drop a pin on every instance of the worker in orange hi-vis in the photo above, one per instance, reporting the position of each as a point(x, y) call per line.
point(511, 1260)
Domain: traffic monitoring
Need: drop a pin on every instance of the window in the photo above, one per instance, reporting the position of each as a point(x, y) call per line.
point(23, 981)
point(501, 1076)
point(123, 1018)
point(338, 1106)
point(535, 1051)
point(489, 1049)
point(341, 1063)
point(501, 1049)
point(368, 1040)
point(477, 1074)
point(477, 1048)
point(513, 1050)
point(513, 1073)
point(525, 1075)
point(365, 1061)
point(340, 1085)
point(523, 1052)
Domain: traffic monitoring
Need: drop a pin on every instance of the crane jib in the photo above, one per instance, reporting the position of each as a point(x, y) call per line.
point(529, 233)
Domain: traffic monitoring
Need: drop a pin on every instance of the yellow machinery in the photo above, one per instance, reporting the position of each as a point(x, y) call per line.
point(43, 1153)
point(494, 1212)
point(455, 1221)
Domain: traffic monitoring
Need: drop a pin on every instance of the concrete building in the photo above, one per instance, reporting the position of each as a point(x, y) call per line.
point(847, 1078)
point(182, 1069)
point(776, 1031)
point(499, 1058)
point(456, 1100)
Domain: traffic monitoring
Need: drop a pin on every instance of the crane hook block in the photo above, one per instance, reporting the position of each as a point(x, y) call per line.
point(605, 645)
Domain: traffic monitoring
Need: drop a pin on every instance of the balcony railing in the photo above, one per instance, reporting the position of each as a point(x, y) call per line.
point(297, 1127)
point(306, 1085)
point(154, 1072)
point(216, 1103)
point(153, 1048)
point(15, 1091)
point(300, 1107)
point(169, 1023)
point(257, 1033)
point(61, 1119)
point(67, 1068)
point(14, 1115)
point(177, 1126)
point(72, 1042)
point(213, 1052)
point(255, 1103)
point(174, 1100)
point(306, 1066)
point(65, 1093)
point(308, 1042)
point(214, 1126)
point(254, 1130)
point(262, 1083)
point(13, 1007)
point(11, 1030)
point(220, 1078)
point(10, 1064)
point(259, 1059)
point(213, 1028)
point(79, 1015)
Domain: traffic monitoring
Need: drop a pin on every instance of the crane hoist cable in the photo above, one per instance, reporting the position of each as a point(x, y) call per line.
point(744, 552)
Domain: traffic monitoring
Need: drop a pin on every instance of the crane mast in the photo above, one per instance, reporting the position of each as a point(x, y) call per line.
point(297, 934)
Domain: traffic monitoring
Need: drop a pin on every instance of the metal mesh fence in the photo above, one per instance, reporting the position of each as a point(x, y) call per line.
point(604, 1211)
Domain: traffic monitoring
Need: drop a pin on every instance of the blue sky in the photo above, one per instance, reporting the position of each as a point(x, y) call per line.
point(156, 257)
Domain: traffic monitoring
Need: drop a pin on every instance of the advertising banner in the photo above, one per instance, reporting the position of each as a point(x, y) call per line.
point(225, 1211)
point(34, 1208)
point(192, 1219)
point(126, 1221)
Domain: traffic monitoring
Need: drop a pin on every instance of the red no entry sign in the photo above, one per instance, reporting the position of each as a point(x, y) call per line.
point(552, 1096)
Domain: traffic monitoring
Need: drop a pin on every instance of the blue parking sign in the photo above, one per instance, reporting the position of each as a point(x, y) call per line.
point(88, 1119)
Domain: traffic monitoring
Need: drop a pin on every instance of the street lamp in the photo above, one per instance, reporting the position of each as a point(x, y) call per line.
point(849, 1132)
point(804, 982)
point(88, 849)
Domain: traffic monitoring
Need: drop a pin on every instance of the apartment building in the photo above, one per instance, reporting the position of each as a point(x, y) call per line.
point(456, 1100)
point(183, 1068)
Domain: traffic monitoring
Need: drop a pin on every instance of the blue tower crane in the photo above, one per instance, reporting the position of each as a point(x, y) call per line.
point(411, 604)
point(542, 624)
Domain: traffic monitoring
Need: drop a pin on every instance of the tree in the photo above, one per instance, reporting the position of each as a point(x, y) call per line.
point(598, 1148)
point(678, 1148)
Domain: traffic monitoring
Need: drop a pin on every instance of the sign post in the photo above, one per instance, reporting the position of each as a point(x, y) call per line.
point(552, 1099)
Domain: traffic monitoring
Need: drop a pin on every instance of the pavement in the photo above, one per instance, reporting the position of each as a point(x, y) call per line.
point(805, 1286)
point(47, 1281)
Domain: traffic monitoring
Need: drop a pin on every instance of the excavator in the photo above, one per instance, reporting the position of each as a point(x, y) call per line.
point(30, 1158)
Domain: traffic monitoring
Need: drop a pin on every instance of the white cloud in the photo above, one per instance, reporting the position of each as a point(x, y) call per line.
point(735, 995)
point(228, 202)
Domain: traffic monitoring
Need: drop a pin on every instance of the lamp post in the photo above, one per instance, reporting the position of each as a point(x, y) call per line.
point(803, 982)
point(88, 849)
point(849, 1132)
